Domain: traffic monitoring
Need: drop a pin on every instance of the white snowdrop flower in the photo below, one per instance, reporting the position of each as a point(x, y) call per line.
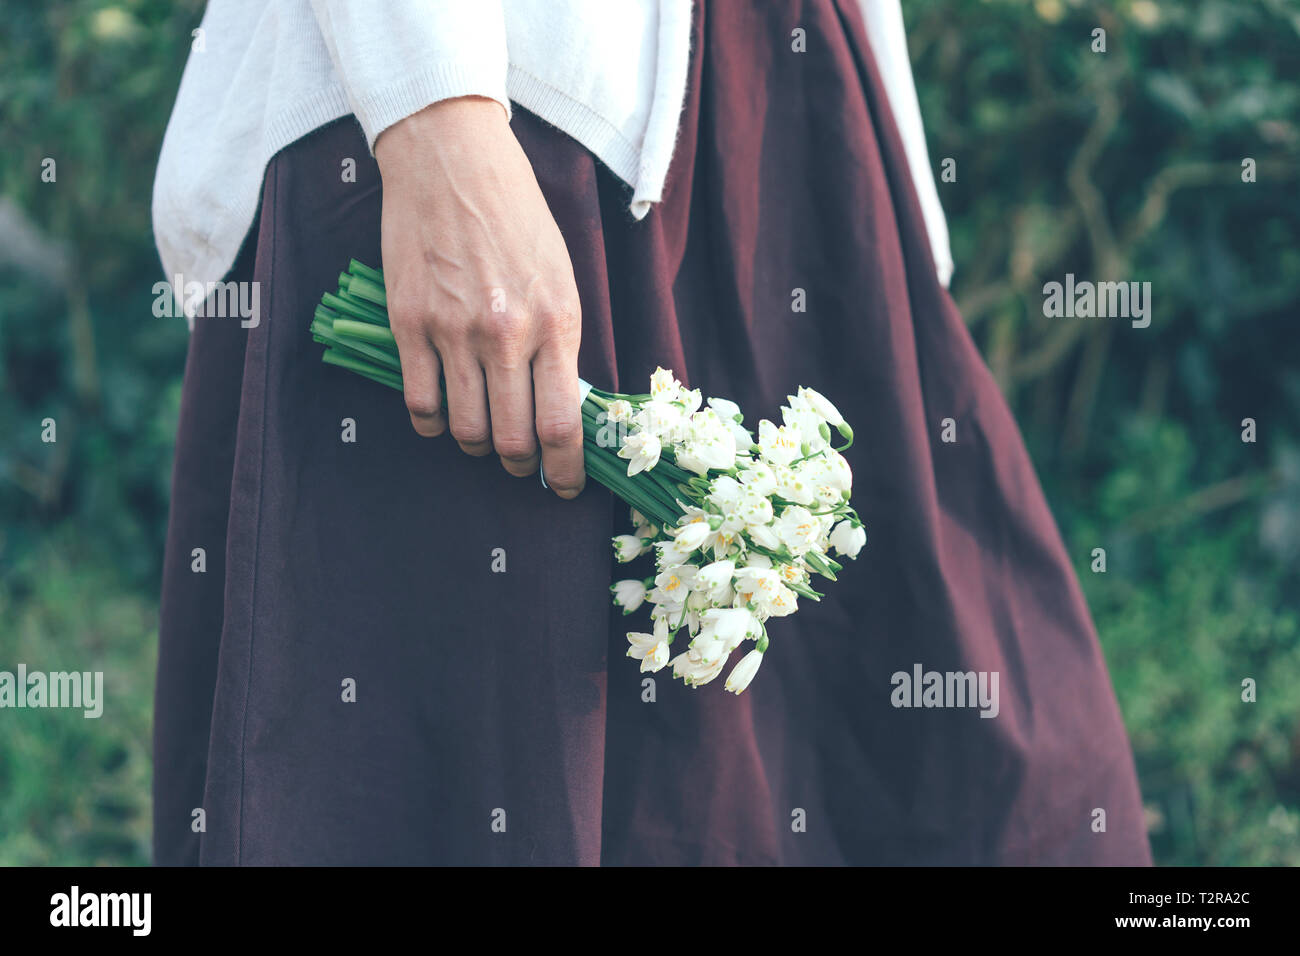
point(727, 545)
point(690, 400)
point(716, 427)
point(798, 529)
point(791, 574)
point(822, 406)
point(830, 476)
point(731, 625)
point(707, 424)
point(778, 445)
point(718, 540)
point(670, 554)
point(756, 585)
point(694, 671)
point(727, 410)
point(628, 547)
point(724, 493)
point(791, 485)
point(644, 529)
point(733, 523)
point(620, 410)
point(722, 630)
point(774, 599)
point(692, 621)
point(664, 387)
point(764, 536)
point(824, 496)
point(741, 435)
point(709, 445)
point(656, 659)
point(666, 616)
point(650, 649)
point(722, 542)
point(685, 458)
point(664, 420)
point(674, 585)
point(714, 581)
point(743, 673)
point(642, 451)
point(848, 540)
point(830, 471)
point(781, 602)
point(825, 524)
point(707, 646)
point(799, 416)
point(759, 478)
point(629, 594)
point(692, 535)
point(754, 510)
point(758, 561)
point(837, 472)
point(639, 643)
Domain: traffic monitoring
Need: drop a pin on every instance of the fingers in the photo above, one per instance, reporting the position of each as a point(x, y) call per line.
point(510, 400)
point(511, 385)
point(420, 373)
point(467, 406)
point(559, 418)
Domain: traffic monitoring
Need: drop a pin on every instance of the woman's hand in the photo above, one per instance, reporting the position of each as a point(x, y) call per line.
point(480, 286)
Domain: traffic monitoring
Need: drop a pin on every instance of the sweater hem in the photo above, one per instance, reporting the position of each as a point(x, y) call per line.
point(577, 120)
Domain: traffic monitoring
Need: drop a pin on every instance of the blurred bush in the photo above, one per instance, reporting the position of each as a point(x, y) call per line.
point(1124, 165)
point(89, 85)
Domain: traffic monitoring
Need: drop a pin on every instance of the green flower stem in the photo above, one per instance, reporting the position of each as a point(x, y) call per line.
point(664, 514)
point(374, 334)
point(613, 478)
point(613, 469)
point(668, 488)
point(368, 289)
point(342, 360)
point(351, 307)
point(361, 269)
point(671, 471)
point(360, 350)
point(648, 481)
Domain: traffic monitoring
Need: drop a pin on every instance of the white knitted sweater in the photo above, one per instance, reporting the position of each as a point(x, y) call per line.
point(610, 73)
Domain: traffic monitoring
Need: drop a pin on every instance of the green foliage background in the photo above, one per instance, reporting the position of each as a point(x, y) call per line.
point(1123, 165)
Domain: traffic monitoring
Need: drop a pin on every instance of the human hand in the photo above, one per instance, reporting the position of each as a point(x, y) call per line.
point(480, 289)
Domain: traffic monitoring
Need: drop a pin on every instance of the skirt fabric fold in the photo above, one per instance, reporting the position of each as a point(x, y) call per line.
point(399, 654)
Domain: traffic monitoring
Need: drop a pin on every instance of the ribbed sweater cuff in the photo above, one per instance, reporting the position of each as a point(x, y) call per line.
point(383, 107)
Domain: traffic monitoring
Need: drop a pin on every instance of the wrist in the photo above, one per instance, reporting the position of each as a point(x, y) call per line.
point(442, 121)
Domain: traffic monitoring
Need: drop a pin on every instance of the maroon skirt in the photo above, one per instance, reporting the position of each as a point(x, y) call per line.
point(397, 653)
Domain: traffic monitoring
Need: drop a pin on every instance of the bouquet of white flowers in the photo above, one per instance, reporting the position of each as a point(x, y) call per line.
point(737, 527)
point(752, 523)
